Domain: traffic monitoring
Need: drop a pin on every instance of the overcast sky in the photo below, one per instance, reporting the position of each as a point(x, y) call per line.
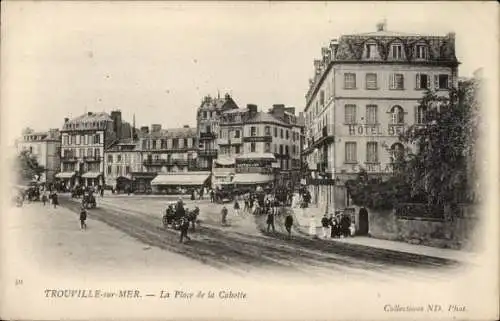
point(157, 60)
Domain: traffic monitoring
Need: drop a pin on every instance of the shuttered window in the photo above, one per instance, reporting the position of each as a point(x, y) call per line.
point(371, 152)
point(422, 81)
point(350, 114)
point(397, 81)
point(351, 152)
point(442, 81)
point(349, 81)
point(371, 81)
point(371, 114)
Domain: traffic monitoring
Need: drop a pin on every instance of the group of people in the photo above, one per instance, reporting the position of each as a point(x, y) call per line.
point(43, 194)
point(271, 207)
point(337, 226)
point(178, 215)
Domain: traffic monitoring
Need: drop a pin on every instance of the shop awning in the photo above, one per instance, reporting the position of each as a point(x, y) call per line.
point(91, 175)
point(251, 178)
point(65, 174)
point(260, 156)
point(181, 179)
point(225, 161)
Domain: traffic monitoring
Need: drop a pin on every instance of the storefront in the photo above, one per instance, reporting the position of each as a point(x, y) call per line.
point(174, 183)
point(67, 179)
point(92, 179)
point(141, 181)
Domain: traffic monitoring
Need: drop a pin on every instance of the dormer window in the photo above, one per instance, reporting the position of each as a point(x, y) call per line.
point(371, 51)
point(397, 51)
point(421, 52)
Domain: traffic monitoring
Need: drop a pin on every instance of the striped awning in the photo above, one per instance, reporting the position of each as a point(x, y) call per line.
point(91, 174)
point(224, 161)
point(260, 156)
point(65, 174)
point(251, 178)
point(181, 179)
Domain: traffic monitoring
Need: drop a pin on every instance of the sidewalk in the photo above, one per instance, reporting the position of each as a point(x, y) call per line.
point(303, 219)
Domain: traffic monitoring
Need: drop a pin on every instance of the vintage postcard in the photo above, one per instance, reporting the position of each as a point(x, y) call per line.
point(249, 160)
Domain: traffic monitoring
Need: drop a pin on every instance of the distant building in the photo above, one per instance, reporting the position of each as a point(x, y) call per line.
point(168, 151)
point(45, 146)
point(257, 147)
point(83, 142)
point(207, 120)
point(364, 93)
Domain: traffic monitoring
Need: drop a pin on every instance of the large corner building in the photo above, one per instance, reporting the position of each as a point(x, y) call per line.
point(364, 93)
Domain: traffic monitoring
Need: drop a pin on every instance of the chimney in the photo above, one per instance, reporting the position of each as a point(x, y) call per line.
point(317, 66)
point(381, 26)
point(290, 110)
point(89, 113)
point(451, 41)
point(144, 129)
point(326, 54)
point(185, 126)
point(116, 116)
point(334, 44)
point(155, 128)
point(278, 110)
point(66, 120)
point(227, 96)
point(252, 108)
point(301, 119)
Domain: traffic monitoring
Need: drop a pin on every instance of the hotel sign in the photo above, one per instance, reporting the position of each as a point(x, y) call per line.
point(376, 130)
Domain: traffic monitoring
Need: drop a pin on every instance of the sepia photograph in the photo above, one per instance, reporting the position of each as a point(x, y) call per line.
point(249, 160)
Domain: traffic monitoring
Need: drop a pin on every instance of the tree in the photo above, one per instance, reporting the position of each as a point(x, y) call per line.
point(28, 167)
point(438, 169)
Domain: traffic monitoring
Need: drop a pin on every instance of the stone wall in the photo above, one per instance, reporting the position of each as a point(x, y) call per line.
point(461, 233)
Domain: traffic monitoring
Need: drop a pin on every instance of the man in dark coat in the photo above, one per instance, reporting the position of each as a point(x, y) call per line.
point(224, 215)
point(289, 223)
point(83, 218)
point(270, 220)
point(184, 229)
point(345, 223)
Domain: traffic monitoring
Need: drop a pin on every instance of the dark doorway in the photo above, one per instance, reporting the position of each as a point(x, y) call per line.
point(363, 222)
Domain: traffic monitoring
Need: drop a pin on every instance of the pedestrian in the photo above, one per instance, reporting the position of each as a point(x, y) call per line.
point(289, 223)
point(224, 215)
point(83, 218)
point(270, 221)
point(184, 229)
point(212, 195)
point(325, 224)
point(55, 200)
point(102, 192)
point(44, 198)
point(345, 223)
point(236, 208)
point(247, 204)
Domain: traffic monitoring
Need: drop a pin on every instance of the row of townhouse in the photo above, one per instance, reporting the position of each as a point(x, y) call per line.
point(100, 149)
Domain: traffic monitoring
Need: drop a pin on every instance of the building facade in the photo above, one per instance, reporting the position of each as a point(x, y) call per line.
point(83, 143)
point(45, 146)
point(256, 147)
point(365, 92)
point(163, 151)
point(121, 159)
point(207, 120)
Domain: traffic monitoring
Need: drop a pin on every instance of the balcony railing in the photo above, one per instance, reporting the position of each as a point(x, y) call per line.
point(69, 159)
point(207, 152)
point(92, 159)
point(155, 162)
point(179, 162)
point(208, 136)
